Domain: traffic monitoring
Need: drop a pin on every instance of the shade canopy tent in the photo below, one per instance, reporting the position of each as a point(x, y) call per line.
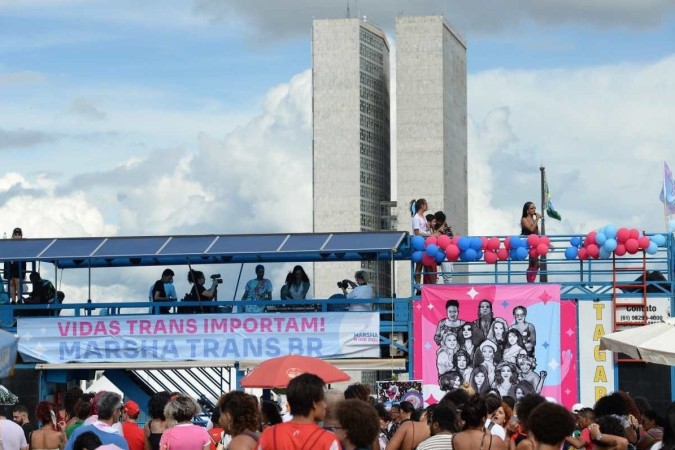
point(653, 343)
point(208, 249)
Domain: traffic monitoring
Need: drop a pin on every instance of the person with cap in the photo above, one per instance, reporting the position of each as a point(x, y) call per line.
point(133, 434)
point(259, 288)
point(163, 291)
point(109, 408)
point(15, 272)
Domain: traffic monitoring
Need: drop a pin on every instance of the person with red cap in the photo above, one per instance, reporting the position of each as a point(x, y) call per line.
point(131, 431)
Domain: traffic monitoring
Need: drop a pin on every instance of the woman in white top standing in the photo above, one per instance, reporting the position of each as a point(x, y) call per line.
point(420, 226)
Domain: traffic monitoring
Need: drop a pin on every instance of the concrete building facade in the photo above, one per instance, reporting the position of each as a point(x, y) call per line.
point(431, 124)
point(351, 141)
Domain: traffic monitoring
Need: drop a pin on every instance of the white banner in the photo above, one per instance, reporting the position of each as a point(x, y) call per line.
point(199, 337)
point(596, 367)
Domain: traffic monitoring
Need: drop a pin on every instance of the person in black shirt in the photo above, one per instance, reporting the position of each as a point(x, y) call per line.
point(15, 272)
point(159, 293)
point(200, 293)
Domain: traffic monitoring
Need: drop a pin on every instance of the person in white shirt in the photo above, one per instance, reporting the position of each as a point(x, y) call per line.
point(360, 290)
point(12, 434)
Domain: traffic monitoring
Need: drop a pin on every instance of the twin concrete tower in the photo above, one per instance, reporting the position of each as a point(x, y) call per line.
point(352, 133)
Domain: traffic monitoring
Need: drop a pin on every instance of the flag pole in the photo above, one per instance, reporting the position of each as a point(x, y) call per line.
point(543, 275)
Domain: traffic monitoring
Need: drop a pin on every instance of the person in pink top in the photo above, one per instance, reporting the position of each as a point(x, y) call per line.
point(184, 435)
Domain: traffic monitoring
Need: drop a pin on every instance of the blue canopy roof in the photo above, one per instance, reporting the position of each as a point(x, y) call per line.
point(208, 249)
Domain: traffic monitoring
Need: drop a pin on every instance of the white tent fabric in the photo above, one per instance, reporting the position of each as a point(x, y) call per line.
point(103, 384)
point(653, 343)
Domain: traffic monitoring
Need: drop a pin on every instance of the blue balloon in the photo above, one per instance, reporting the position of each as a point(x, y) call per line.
point(440, 257)
point(521, 253)
point(432, 250)
point(652, 249)
point(571, 252)
point(516, 242)
point(476, 243)
point(464, 243)
point(659, 239)
point(610, 231)
point(575, 241)
point(512, 254)
point(417, 256)
point(479, 255)
point(600, 238)
point(604, 253)
point(610, 244)
point(418, 242)
point(470, 254)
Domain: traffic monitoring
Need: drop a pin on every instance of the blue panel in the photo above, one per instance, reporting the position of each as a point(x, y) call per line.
point(263, 243)
point(11, 249)
point(131, 246)
point(72, 248)
point(187, 245)
point(304, 242)
point(363, 241)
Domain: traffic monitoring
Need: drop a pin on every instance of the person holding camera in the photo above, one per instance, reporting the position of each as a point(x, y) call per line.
point(199, 293)
point(360, 290)
point(443, 228)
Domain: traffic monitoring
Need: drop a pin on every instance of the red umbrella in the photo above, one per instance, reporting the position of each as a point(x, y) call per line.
point(277, 372)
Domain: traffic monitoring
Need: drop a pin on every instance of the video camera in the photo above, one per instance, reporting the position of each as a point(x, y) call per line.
point(344, 284)
point(216, 276)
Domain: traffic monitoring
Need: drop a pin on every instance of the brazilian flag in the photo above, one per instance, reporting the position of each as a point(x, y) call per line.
point(550, 210)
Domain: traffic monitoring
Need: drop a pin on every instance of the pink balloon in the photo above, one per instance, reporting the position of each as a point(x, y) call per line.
point(483, 242)
point(590, 238)
point(620, 249)
point(622, 235)
point(443, 242)
point(428, 260)
point(643, 242)
point(493, 244)
point(542, 249)
point(491, 257)
point(592, 251)
point(502, 254)
point(431, 240)
point(545, 240)
point(632, 246)
point(452, 252)
point(634, 233)
point(533, 252)
point(533, 240)
point(583, 254)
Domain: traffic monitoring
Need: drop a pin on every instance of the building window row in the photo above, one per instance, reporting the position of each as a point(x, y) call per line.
point(372, 96)
point(372, 110)
point(373, 165)
point(370, 179)
point(371, 39)
point(372, 124)
point(371, 82)
point(369, 67)
point(371, 54)
point(375, 139)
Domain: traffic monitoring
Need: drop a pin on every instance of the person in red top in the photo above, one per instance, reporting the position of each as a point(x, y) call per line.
point(305, 395)
point(133, 434)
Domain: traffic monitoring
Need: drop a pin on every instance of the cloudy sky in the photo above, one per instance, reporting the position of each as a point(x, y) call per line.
point(194, 116)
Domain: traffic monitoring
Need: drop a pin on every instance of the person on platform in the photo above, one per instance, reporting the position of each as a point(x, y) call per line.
point(442, 228)
point(296, 286)
point(15, 272)
point(109, 408)
point(133, 434)
point(259, 288)
point(305, 395)
point(529, 224)
point(420, 226)
point(199, 293)
point(163, 291)
point(361, 290)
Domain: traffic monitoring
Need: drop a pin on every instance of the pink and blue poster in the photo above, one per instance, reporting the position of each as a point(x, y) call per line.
point(515, 339)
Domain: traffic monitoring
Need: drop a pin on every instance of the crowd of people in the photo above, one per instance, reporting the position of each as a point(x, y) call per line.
point(329, 419)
